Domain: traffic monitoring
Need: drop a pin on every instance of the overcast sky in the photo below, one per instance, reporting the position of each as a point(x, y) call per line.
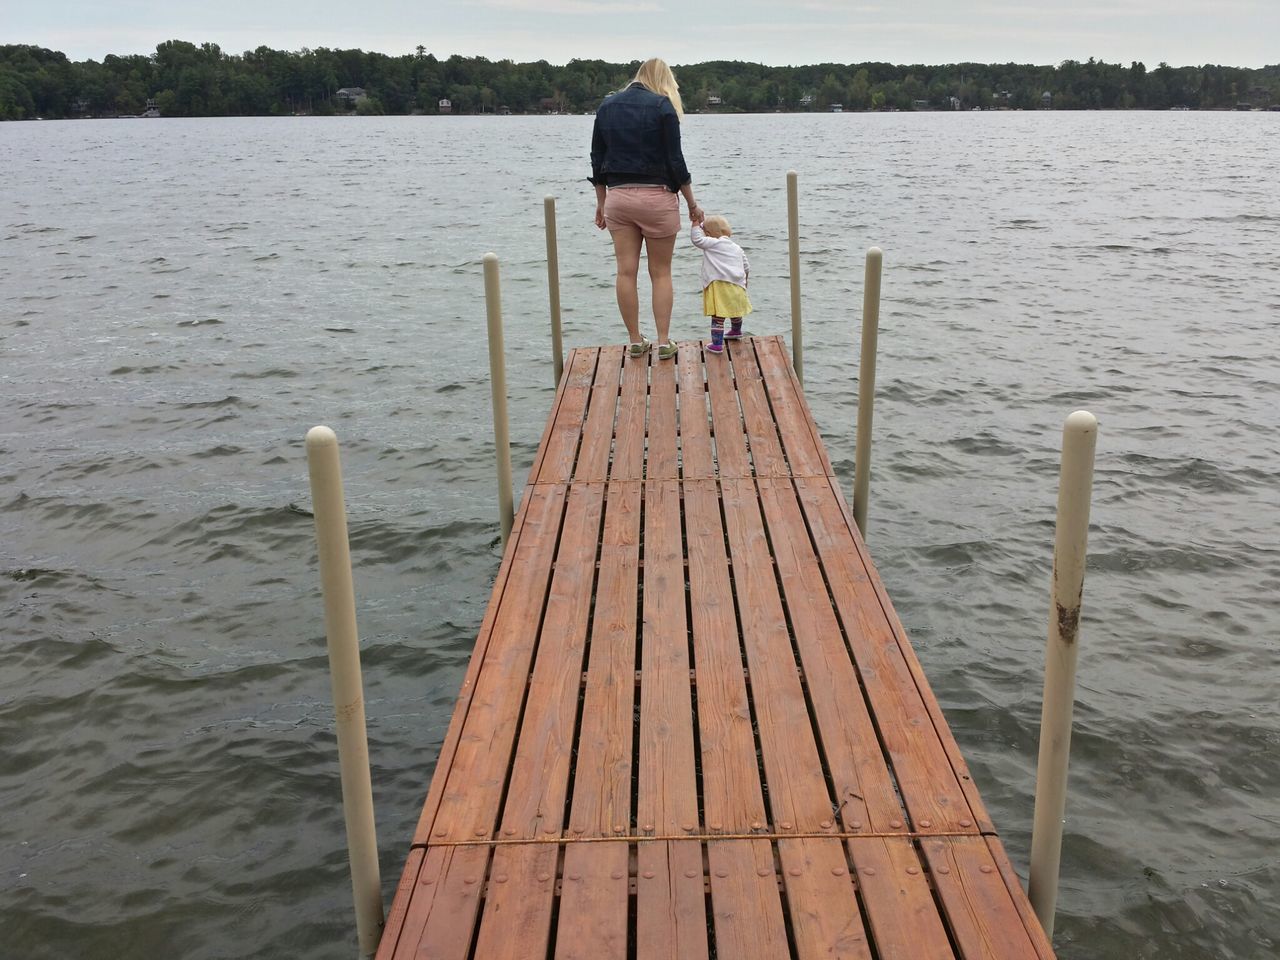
point(1236, 32)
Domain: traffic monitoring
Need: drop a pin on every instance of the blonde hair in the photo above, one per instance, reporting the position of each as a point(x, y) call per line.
point(717, 226)
point(655, 76)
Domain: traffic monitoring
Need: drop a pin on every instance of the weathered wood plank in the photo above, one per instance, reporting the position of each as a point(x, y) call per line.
point(744, 899)
point(797, 789)
point(732, 458)
point(671, 912)
point(441, 917)
point(901, 914)
point(628, 451)
point(767, 457)
point(732, 799)
point(864, 789)
point(602, 407)
point(516, 922)
point(663, 427)
point(667, 802)
point(980, 816)
point(982, 916)
point(696, 462)
point(593, 904)
point(800, 437)
point(602, 779)
point(561, 445)
point(471, 783)
point(821, 903)
point(1030, 922)
point(926, 781)
point(535, 805)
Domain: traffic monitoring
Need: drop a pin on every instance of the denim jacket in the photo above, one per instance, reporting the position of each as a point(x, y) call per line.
point(637, 140)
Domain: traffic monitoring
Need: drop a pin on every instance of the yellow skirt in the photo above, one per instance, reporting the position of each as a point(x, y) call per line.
point(720, 298)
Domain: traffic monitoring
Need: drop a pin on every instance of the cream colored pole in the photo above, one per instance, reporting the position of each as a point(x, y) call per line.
point(553, 286)
point(866, 387)
point(1079, 438)
point(793, 247)
point(498, 384)
point(348, 691)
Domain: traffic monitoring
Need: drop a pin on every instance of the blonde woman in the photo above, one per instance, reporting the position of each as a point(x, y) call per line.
point(638, 169)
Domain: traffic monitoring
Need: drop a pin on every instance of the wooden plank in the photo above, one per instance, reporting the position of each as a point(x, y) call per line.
point(602, 779)
point(671, 913)
point(667, 802)
point(516, 922)
point(593, 904)
point(472, 769)
point(800, 436)
point(726, 416)
point(744, 899)
point(928, 786)
point(393, 926)
point(602, 405)
point(767, 458)
point(628, 449)
point(536, 467)
point(1030, 922)
point(983, 918)
point(662, 462)
point(821, 904)
point(864, 790)
point(535, 805)
point(441, 916)
point(732, 800)
point(980, 816)
point(797, 789)
point(561, 444)
point(695, 427)
point(901, 914)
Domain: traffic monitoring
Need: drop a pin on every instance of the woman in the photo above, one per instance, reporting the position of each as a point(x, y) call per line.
point(637, 168)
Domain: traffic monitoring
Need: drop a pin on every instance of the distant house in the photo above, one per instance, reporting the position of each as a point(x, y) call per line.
point(549, 105)
point(837, 108)
point(153, 109)
point(504, 111)
point(806, 100)
point(446, 105)
point(350, 96)
point(1046, 100)
point(713, 101)
point(919, 104)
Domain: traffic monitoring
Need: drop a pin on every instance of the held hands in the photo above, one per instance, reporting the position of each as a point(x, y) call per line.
point(695, 214)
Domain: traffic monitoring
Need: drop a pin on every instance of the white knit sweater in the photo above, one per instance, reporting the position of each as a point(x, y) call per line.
point(722, 259)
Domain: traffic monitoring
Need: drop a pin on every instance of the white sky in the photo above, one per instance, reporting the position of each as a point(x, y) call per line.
point(1242, 33)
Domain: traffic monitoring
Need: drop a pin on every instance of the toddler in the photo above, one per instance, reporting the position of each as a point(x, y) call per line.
point(725, 271)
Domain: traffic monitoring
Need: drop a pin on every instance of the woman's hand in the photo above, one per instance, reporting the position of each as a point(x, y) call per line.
point(695, 214)
point(600, 215)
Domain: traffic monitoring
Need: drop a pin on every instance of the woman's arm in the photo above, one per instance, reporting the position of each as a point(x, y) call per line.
point(695, 212)
point(598, 149)
point(600, 195)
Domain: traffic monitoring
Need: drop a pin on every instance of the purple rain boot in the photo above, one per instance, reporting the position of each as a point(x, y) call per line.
point(735, 329)
point(717, 336)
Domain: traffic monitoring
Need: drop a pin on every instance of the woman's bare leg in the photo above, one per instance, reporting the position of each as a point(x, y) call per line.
point(659, 251)
point(626, 248)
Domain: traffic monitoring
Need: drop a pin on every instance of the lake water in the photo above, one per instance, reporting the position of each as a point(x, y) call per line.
point(181, 300)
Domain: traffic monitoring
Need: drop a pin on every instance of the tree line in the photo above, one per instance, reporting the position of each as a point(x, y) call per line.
point(185, 80)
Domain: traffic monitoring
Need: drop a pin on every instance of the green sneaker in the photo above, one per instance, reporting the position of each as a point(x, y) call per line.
point(667, 350)
point(641, 348)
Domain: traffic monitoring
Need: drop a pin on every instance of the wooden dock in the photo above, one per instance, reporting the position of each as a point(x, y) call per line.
point(693, 726)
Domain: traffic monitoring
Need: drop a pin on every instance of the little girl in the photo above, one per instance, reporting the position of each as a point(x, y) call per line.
point(725, 271)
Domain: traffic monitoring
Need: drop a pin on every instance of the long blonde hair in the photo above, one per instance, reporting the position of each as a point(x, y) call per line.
point(654, 75)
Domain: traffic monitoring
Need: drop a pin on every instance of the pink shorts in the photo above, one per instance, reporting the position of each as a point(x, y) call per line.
point(654, 211)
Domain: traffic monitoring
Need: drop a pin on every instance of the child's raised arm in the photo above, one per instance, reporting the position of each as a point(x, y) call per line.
point(700, 239)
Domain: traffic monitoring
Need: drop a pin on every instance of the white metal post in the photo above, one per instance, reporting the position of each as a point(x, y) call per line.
point(498, 384)
point(793, 249)
point(553, 287)
point(866, 386)
point(348, 691)
point(1079, 439)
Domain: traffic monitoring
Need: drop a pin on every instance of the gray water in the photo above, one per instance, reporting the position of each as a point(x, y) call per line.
point(180, 300)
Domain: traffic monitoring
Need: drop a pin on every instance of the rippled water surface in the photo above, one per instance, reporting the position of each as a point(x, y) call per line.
point(181, 300)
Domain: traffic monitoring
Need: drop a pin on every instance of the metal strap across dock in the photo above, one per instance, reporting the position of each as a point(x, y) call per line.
point(693, 726)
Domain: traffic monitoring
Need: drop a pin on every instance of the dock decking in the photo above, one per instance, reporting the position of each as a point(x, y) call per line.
point(693, 726)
